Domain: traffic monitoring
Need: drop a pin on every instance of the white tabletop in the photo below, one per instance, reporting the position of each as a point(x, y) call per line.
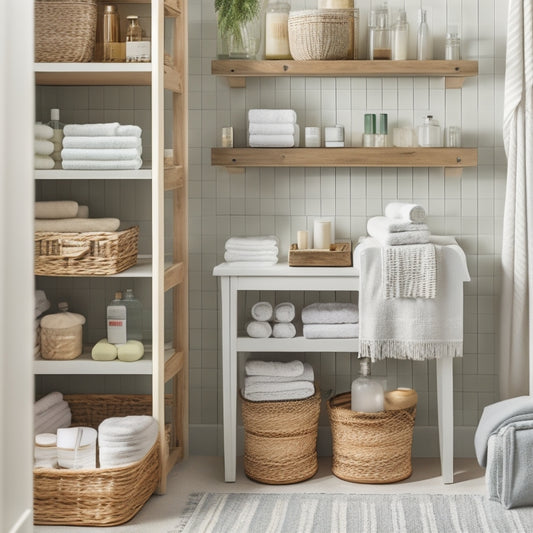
point(282, 269)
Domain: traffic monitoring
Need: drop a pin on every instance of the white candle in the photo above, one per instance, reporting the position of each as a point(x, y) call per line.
point(335, 4)
point(303, 240)
point(277, 36)
point(322, 234)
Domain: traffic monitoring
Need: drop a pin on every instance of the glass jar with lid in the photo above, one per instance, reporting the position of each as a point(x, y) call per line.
point(277, 30)
point(137, 50)
point(429, 133)
point(452, 48)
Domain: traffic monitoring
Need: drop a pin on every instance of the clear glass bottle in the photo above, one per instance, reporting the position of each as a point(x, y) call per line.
point(452, 48)
point(367, 392)
point(57, 137)
point(429, 133)
point(134, 310)
point(400, 36)
point(424, 48)
point(137, 50)
point(112, 47)
point(379, 34)
point(277, 30)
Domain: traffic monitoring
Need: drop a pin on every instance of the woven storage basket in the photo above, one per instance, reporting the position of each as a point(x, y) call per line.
point(370, 447)
point(100, 496)
point(322, 34)
point(94, 253)
point(280, 439)
point(65, 30)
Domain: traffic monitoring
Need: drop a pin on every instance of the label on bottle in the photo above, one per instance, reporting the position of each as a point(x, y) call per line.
point(138, 51)
point(116, 324)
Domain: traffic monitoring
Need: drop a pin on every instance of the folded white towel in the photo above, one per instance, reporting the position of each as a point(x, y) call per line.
point(284, 330)
point(51, 399)
point(257, 128)
point(43, 147)
point(258, 330)
point(56, 209)
point(284, 312)
point(255, 367)
point(330, 313)
point(287, 116)
point(91, 130)
point(252, 249)
point(230, 257)
point(405, 211)
point(385, 238)
point(262, 311)
point(257, 243)
point(263, 391)
point(42, 131)
point(125, 426)
point(254, 264)
point(56, 417)
point(77, 225)
point(394, 225)
point(100, 154)
point(275, 141)
point(83, 211)
point(84, 164)
point(129, 130)
point(42, 303)
point(307, 375)
point(106, 142)
point(331, 331)
point(43, 162)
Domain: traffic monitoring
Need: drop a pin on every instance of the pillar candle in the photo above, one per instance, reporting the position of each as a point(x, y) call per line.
point(277, 35)
point(335, 4)
point(303, 240)
point(322, 234)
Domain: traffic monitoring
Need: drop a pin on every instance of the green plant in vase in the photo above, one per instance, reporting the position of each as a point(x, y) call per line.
point(239, 26)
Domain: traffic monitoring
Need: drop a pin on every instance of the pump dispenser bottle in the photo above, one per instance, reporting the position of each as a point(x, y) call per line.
point(367, 392)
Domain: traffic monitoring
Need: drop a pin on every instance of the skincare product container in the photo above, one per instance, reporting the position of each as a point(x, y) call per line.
point(400, 36)
point(429, 133)
point(227, 137)
point(312, 137)
point(369, 137)
point(403, 137)
point(382, 135)
point(379, 34)
point(137, 50)
point(424, 41)
point(277, 30)
point(452, 48)
point(453, 136)
point(116, 321)
point(367, 392)
point(334, 136)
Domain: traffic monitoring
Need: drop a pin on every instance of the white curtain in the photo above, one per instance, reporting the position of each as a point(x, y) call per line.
point(516, 313)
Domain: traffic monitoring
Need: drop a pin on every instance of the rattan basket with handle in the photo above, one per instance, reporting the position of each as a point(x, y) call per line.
point(280, 439)
point(65, 30)
point(370, 447)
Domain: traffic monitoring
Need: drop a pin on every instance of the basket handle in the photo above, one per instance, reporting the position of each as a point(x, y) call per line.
point(73, 249)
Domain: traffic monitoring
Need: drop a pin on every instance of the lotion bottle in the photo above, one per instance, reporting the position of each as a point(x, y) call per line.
point(424, 41)
point(367, 392)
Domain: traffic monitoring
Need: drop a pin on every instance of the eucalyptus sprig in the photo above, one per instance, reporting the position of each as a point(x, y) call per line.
point(232, 14)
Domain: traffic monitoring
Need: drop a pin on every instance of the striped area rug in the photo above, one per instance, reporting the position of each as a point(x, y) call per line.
point(350, 513)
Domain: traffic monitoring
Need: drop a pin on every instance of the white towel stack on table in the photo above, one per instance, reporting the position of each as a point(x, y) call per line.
point(271, 321)
point(43, 147)
point(42, 304)
point(252, 251)
point(51, 413)
point(274, 128)
point(331, 321)
point(108, 146)
point(125, 440)
point(274, 381)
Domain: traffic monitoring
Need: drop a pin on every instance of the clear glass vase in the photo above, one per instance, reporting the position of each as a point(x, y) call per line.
point(245, 45)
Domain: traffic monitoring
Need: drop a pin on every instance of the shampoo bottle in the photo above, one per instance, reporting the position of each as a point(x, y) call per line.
point(116, 321)
point(57, 137)
point(367, 393)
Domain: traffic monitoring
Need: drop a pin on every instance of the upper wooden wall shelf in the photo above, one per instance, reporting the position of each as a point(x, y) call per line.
point(236, 71)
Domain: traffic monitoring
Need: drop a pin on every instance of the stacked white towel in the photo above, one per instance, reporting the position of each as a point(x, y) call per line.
point(274, 381)
point(252, 251)
point(51, 413)
point(108, 146)
point(43, 146)
point(125, 440)
point(335, 320)
point(274, 128)
point(271, 321)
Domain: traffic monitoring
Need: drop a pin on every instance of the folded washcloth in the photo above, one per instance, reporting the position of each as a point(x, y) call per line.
point(330, 313)
point(42, 131)
point(331, 331)
point(43, 162)
point(284, 330)
point(307, 375)
point(258, 330)
point(84, 164)
point(83, 211)
point(46, 402)
point(284, 312)
point(77, 225)
point(262, 311)
point(42, 303)
point(230, 257)
point(394, 225)
point(43, 147)
point(275, 141)
point(56, 209)
point(385, 238)
point(287, 116)
point(100, 154)
point(258, 243)
point(91, 130)
point(254, 367)
point(264, 391)
point(108, 142)
point(405, 211)
point(258, 128)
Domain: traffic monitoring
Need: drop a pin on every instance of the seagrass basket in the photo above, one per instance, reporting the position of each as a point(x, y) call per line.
point(99, 496)
point(91, 253)
point(280, 439)
point(65, 30)
point(370, 447)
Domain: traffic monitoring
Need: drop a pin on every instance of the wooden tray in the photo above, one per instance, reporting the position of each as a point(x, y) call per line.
point(338, 255)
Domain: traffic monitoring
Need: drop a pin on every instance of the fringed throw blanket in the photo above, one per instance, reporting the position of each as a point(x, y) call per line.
point(411, 328)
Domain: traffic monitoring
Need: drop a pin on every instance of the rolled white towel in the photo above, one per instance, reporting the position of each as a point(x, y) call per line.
point(91, 130)
point(107, 142)
point(258, 128)
point(43, 162)
point(385, 238)
point(252, 257)
point(330, 313)
point(251, 243)
point(43, 147)
point(84, 164)
point(77, 225)
point(263, 391)
point(284, 312)
point(284, 330)
point(307, 375)
point(52, 398)
point(56, 209)
point(254, 367)
point(331, 331)
point(100, 154)
point(258, 330)
point(395, 225)
point(262, 311)
point(42, 131)
point(405, 211)
point(286, 116)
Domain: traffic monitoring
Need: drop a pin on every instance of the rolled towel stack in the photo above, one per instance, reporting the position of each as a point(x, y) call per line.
point(274, 381)
point(271, 321)
point(335, 320)
point(43, 147)
point(42, 305)
point(274, 128)
point(51, 413)
point(108, 146)
point(125, 440)
point(283, 327)
point(252, 251)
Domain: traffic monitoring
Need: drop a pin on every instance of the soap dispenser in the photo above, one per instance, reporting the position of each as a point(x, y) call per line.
point(367, 392)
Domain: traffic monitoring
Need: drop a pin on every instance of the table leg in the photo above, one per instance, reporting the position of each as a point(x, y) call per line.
point(445, 413)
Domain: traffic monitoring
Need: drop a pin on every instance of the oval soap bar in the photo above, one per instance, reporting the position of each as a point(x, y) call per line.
point(401, 398)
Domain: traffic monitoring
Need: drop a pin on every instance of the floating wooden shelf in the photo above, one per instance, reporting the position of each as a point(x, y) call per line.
point(236, 71)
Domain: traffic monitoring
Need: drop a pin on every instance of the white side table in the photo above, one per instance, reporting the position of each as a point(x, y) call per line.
point(281, 277)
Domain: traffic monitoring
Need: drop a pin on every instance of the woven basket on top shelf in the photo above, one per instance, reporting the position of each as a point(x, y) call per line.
point(91, 253)
point(65, 30)
point(370, 447)
point(280, 439)
point(97, 496)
